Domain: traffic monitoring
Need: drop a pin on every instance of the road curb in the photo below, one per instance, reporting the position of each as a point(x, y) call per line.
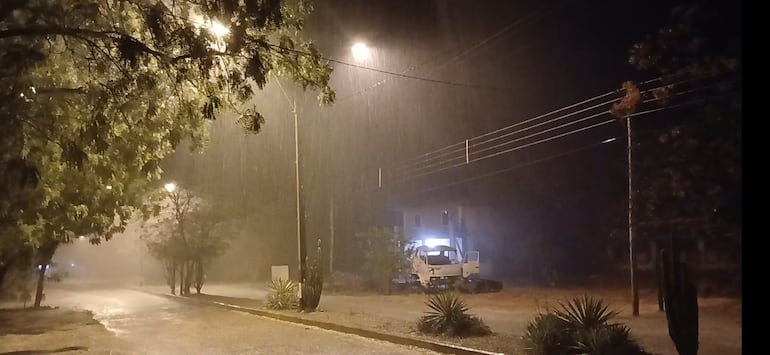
point(396, 339)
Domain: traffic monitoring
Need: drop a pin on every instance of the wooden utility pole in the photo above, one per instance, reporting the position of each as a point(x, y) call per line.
point(631, 258)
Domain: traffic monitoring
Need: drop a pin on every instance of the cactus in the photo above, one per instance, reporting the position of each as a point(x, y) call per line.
point(313, 285)
point(680, 301)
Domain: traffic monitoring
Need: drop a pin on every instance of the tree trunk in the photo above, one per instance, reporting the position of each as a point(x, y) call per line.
point(198, 276)
point(46, 252)
point(40, 281)
point(181, 278)
point(172, 282)
point(189, 277)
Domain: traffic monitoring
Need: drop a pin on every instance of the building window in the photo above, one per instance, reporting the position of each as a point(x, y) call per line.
point(417, 220)
point(445, 217)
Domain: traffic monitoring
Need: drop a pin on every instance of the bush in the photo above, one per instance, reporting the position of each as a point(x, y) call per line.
point(547, 335)
point(448, 316)
point(283, 294)
point(581, 326)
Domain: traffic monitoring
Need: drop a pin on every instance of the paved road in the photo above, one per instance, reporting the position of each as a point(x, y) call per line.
point(156, 325)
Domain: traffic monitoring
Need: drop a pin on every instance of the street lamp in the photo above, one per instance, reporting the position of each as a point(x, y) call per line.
point(219, 30)
point(361, 52)
point(170, 187)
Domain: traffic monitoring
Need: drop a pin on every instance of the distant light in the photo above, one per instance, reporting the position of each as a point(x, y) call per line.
point(33, 89)
point(432, 242)
point(81, 237)
point(40, 267)
point(360, 52)
point(109, 187)
point(21, 94)
point(72, 265)
point(609, 140)
point(170, 187)
point(219, 30)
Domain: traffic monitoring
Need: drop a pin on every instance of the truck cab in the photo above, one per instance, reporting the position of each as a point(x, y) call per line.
point(441, 265)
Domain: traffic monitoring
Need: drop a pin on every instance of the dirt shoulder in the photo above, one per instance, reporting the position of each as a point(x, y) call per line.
point(54, 330)
point(508, 312)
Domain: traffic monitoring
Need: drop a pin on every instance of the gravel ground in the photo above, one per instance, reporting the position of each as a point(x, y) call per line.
point(508, 312)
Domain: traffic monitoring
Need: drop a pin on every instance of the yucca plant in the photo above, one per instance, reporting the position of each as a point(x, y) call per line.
point(579, 327)
point(585, 313)
point(547, 334)
point(612, 339)
point(282, 295)
point(448, 315)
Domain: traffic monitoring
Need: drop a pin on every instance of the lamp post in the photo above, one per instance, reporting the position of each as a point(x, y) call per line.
point(361, 53)
point(297, 187)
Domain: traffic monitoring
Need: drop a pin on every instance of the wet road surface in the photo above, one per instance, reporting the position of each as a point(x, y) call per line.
point(151, 324)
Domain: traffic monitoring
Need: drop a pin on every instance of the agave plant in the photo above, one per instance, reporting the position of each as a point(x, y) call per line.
point(612, 339)
point(585, 313)
point(547, 334)
point(580, 327)
point(448, 315)
point(283, 294)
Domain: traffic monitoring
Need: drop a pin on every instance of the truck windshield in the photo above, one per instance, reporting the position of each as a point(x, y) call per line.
point(445, 257)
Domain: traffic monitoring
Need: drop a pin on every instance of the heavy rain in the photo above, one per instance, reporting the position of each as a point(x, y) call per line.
point(385, 177)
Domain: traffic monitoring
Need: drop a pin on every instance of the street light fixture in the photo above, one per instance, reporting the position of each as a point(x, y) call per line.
point(361, 52)
point(170, 187)
point(217, 29)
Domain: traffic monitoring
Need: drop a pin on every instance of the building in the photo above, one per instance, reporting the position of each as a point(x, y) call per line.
point(462, 226)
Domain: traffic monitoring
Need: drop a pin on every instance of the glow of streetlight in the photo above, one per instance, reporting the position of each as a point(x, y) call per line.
point(360, 51)
point(170, 187)
point(109, 187)
point(219, 30)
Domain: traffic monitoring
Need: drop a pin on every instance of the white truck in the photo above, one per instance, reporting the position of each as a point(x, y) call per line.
point(440, 267)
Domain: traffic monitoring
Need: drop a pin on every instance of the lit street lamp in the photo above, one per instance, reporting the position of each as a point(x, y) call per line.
point(217, 29)
point(361, 52)
point(170, 187)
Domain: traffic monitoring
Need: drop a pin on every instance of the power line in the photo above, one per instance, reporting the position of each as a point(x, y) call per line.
point(408, 165)
point(562, 135)
point(444, 82)
point(477, 151)
point(558, 155)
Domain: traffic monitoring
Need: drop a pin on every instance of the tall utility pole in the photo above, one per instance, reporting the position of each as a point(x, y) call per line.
point(298, 187)
point(631, 258)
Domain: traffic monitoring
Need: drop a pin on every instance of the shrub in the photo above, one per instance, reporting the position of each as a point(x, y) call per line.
point(585, 313)
point(282, 295)
point(547, 335)
point(448, 316)
point(612, 339)
point(581, 326)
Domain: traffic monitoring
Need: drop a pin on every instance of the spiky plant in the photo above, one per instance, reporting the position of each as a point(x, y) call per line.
point(612, 339)
point(585, 313)
point(448, 315)
point(282, 295)
point(547, 334)
point(579, 327)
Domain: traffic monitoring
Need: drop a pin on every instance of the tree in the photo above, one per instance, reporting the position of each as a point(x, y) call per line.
point(386, 255)
point(678, 183)
point(189, 233)
point(688, 172)
point(95, 93)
